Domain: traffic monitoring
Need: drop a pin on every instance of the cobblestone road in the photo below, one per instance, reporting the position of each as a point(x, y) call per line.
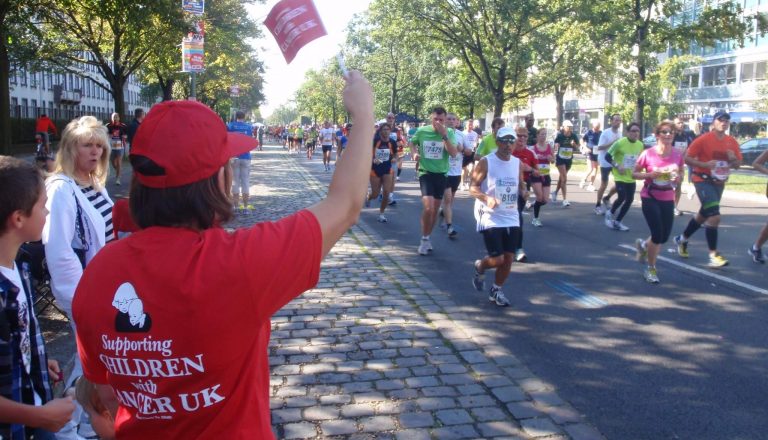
point(376, 351)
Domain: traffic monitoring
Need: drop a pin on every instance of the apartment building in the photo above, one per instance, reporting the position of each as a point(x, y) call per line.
point(728, 76)
point(64, 96)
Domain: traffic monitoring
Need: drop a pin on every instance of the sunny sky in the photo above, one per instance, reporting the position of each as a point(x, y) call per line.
point(282, 79)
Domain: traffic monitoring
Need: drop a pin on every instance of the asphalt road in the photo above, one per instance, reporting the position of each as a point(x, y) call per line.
point(684, 359)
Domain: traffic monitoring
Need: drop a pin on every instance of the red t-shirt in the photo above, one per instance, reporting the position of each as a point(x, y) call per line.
point(177, 322)
point(708, 147)
point(527, 157)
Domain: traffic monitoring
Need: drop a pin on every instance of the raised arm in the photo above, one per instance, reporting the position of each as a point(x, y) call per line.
point(341, 208)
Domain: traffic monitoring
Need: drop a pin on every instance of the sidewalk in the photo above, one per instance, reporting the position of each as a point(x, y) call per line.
point(376, 351)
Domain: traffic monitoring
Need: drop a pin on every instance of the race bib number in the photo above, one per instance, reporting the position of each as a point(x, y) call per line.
point(629, 161)
point(721, 170)
point(680, 146)
point(327, 138)
point(544, 169)
point(117, 144)
point(506, 192)
point(455, 161)
point(382, 155)
point(433, 149)
point(666, 177)
point(565, 153)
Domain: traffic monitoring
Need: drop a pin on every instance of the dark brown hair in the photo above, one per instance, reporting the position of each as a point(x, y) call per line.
point(198, 205)
point(20, 187)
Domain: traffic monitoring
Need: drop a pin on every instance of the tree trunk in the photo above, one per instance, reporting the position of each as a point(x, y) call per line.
point(498, 103)
point(640, 100)
point(393, 95)
point(119, 96)
point(5, 97)
point(168, 89)
point(559, 100)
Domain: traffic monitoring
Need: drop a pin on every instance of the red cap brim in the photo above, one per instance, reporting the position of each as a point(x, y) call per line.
point(238, 143)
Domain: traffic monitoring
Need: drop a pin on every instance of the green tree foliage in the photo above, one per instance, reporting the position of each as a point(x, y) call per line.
point(320, 95)
point(458, 91)
point(114, 37)
point(640, 30)
point(229, 58)
point(494, 39)
point(283, 115)
point(18, 34)
point(399, 61)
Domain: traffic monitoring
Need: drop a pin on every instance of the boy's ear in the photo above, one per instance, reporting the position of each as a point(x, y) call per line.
point(107, 415)
point(15, 220)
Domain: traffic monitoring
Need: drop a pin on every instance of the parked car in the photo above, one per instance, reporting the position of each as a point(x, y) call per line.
point(752, 148)
point(649, 141)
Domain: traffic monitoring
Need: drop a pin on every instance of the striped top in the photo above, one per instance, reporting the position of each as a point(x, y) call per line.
point(101, 204)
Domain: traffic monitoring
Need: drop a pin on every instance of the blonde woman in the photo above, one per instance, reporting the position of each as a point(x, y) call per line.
point(79, 222)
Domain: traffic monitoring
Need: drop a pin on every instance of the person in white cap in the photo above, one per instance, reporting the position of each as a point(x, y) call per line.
point(496, 182)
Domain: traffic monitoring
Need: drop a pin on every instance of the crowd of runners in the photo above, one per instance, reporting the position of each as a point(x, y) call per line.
point(508, 170)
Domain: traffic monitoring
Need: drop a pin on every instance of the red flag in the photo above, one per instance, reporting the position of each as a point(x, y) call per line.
point(294, 23)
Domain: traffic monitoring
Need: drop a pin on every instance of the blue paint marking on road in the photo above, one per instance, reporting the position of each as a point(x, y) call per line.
point(579, 295)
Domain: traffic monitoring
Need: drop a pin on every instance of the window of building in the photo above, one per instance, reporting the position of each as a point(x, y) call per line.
point(719, 75)
point(753, 71)
point(23, 77)
point(690, 80)
point(24, 108)
point(35, 112)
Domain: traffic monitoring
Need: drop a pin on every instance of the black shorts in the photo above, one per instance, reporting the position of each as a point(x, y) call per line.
point(567, 162)
point(453, 182)
point(544, 180)
point(466, 160)
point(381, 169)
point(593, 157)
point(327, 148)
point(499, 241)
point(432, 185)
point(605, 173)
point(709, 195)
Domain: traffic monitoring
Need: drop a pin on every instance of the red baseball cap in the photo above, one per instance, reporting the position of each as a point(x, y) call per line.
point(187, 141)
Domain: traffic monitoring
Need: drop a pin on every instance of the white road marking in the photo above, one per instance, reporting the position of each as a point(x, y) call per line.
point(700, 271)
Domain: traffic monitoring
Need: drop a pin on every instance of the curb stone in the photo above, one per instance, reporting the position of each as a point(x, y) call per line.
point(369, 353)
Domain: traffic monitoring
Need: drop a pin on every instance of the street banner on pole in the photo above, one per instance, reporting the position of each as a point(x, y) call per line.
point(194, 7)
point(294, 23)
point(192, 54)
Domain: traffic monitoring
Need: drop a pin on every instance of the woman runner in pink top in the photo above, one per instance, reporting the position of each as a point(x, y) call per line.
point(661, 168)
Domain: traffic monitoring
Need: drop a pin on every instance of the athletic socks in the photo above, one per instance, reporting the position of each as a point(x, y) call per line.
point(537, 208)
point(692, 227)
point(711, 234)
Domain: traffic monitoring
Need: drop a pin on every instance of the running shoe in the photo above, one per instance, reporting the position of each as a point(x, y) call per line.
point(582, 184)
point(497, 296)
point(477, 278)
point(382, 219)
point(619, 226)
point(520, 256)
point(642, 253)
point(528, 205)
point(682, 246)
point(117, 182)
point(717, 260)
point(553, 196)
point(606, 204)
point(591, 188)
point(566, 203)
point(424, 246)
point(536, 222)
point(608, 219)
point(392, 202)
point(650, 275)
point(429, 245)
point(451, 231)
point(397, 179)
point(599, 210)
point(678, 212)
point(756, 254)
